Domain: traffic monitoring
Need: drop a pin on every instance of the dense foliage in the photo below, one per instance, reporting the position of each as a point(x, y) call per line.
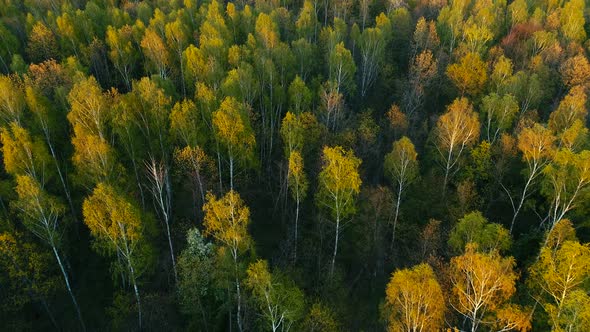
point(303, 165)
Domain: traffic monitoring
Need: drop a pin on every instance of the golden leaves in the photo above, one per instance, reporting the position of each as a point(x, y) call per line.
point(112, 219)
point(469, 75)
point(414, 300)
point(227, 219)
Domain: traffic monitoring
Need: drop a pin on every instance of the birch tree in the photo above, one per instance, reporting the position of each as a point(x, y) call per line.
point(41, 214)
point(117, 229)
point(339, 184)
point(226, 220)
point(536, 145)
point(456, 131)
point(414, 300)
point(401, 168)
point(281, 304)
point(233, 130)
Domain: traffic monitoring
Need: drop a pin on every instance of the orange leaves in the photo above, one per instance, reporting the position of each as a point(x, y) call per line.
point(481, 283)
point(536, 143)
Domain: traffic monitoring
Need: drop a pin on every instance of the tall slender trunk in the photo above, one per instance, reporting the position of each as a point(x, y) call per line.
point(61, 177)
point(296, 226)
point(67, 281)
point(397, 204)
point(335, 246)
point(171, 251)
point(231, 172)
point(522, 198)
point(238, 292)
point(447, 169)
point(135, 291)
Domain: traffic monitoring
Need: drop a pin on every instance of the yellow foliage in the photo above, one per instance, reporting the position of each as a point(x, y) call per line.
point(227, 219)
point(414, 300)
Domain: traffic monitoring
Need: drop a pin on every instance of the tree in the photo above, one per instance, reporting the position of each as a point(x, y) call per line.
point(401, 168)
point(227, 220)
point(469, 75)
point(557, 279)
point(117, 228)
point(23, 154)
point(423, 68)
point(161, 189)
point(47, 120)
point(566, 177)
point(575, 71)
point(570, 109)
point(177, 38)
point(42, 44)
point(40, 214)
point(233, 130)
point(482, 283)
point(414, 300)
point(572, 21)
point(299, 96)
point(298, 184)
point(25, 271)
point(455, 131)
point(339, 185)
point(195, 272)
point(156, 51)
point(93, 155)
point(320, 318)
point(536, 145)
point(341, 68)
point(372, 45)
point(123, 52)
point(475, 228)
point(499, 113)
point(281, 304)
point(12, 100)
point(194, 161)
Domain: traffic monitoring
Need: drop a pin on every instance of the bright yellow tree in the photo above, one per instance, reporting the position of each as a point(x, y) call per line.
point(117, 228)
point(414, 300)
point(482, 284)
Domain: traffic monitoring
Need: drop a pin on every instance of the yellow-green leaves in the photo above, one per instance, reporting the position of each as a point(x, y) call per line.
point(401, 164)
point(12, 100)
point(280, 303)
point(22, 154)
point(112, 219)
point(339, 181)
point(499, 113)
point(558, 278)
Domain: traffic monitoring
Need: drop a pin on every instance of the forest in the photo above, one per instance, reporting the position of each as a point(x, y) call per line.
point(294, 165)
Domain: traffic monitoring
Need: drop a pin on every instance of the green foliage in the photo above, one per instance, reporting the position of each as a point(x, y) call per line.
point(475, 228)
